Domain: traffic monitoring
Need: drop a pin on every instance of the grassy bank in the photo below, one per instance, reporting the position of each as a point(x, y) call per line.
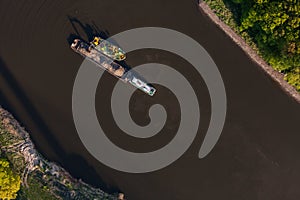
point(271, 28)
point(35, 190)
point(24, 173)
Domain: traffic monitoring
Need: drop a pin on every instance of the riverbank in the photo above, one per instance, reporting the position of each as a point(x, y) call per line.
point(41, 179)
point(245, 46)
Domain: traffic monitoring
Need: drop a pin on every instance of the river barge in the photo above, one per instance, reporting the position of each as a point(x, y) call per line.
point(90, 52)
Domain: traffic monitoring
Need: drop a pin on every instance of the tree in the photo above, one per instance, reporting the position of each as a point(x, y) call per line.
point(293, 78)
point(9, 181)
point(274, 26)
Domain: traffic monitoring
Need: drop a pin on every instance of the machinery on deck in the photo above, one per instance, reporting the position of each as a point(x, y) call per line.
point(112, 51)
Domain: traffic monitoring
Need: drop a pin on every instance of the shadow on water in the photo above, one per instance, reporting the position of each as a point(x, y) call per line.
point(92, 30)
point(23, 99)
point(71, 160)
point(4, 102)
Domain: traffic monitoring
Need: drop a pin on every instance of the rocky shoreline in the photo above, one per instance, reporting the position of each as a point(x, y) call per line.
point(276, 76)
point(17, 146)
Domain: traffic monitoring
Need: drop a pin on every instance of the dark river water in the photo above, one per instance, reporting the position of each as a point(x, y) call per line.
point(257, 156)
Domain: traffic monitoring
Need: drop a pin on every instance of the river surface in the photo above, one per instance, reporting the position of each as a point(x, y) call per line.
point(257, 156)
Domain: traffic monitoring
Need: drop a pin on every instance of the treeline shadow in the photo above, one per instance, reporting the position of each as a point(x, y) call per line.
point(75, 164)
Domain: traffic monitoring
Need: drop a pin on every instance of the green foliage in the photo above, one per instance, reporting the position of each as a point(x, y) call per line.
point(35, 191)
point(5, 137)
point(293, 78)
point(274, 27)
point(9, 181)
